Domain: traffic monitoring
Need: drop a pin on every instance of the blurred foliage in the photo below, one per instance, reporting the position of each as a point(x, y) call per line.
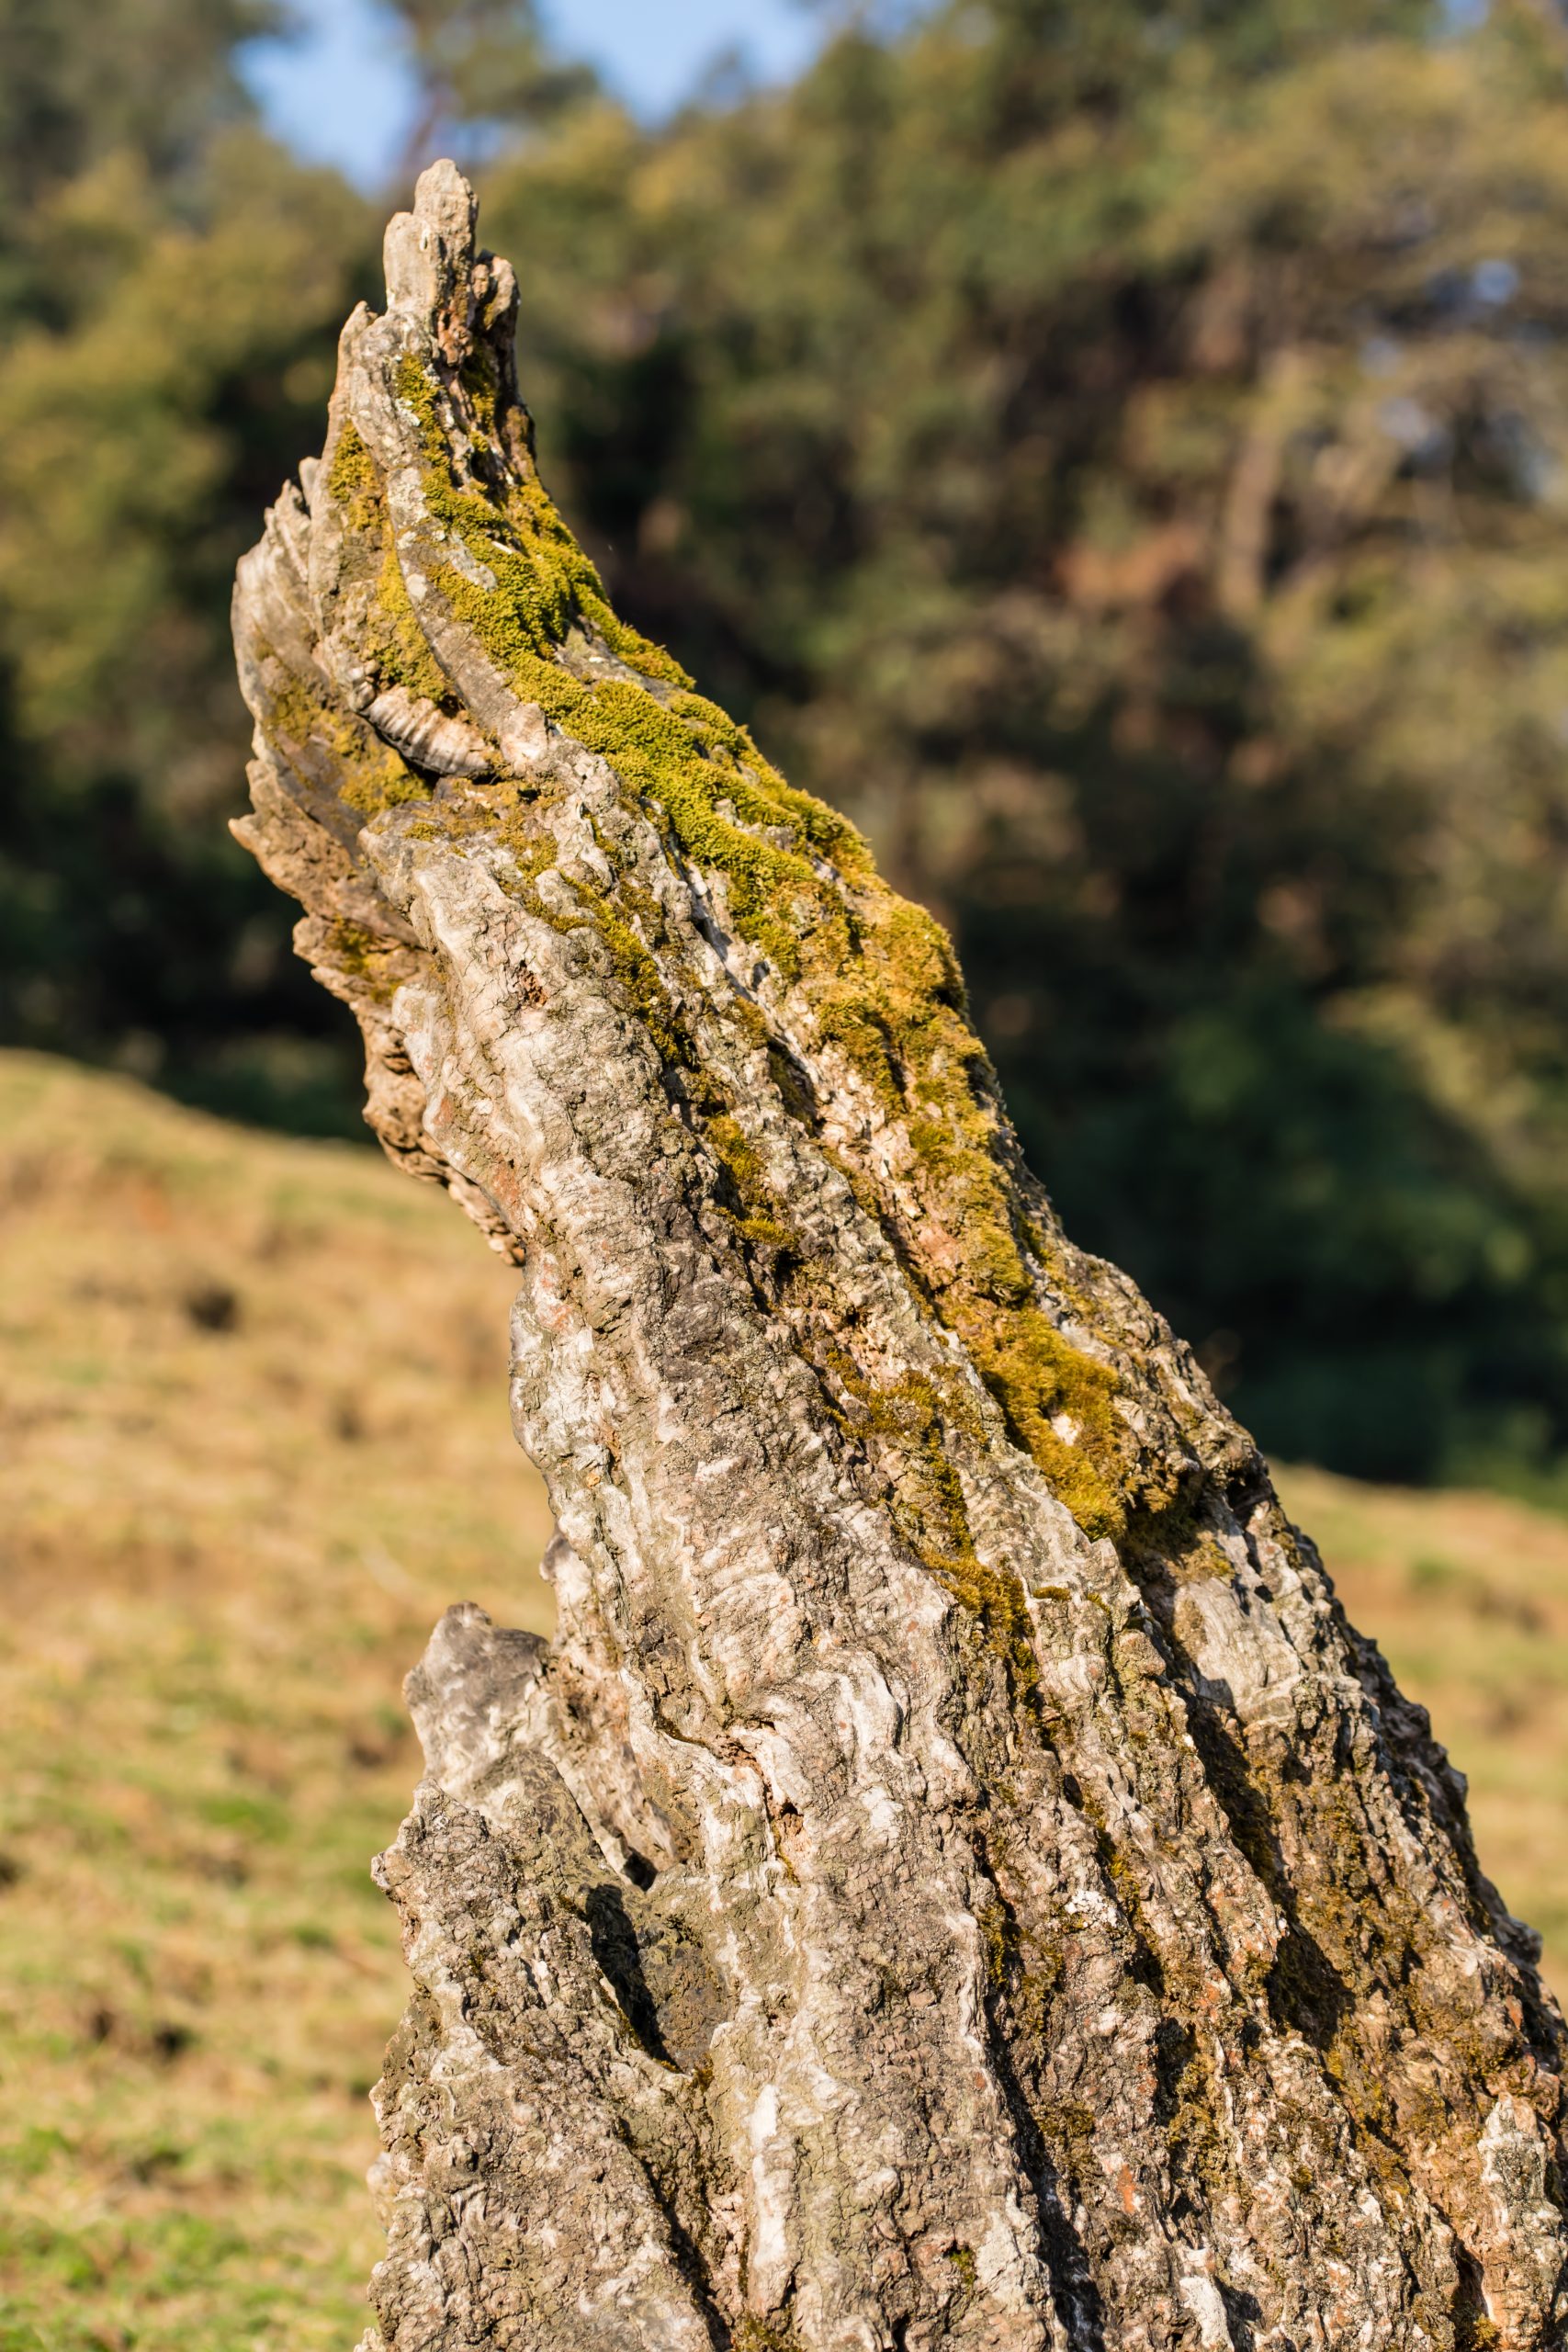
point(1116, 450)
point(485, 72)
point(171, 287)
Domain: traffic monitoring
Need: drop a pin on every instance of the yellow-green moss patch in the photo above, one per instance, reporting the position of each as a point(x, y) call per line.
point(879, 975)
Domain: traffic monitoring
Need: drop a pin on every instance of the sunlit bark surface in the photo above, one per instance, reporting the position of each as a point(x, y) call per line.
point(955, 1878)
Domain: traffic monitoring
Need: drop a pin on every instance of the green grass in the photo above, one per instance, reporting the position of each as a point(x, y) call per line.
point(224, 1535)
point(253, 1439)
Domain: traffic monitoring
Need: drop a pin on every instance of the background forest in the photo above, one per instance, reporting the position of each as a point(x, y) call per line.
point(1119, 451)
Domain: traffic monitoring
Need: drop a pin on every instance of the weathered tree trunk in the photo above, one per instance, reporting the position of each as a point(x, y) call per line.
point(955, 1878)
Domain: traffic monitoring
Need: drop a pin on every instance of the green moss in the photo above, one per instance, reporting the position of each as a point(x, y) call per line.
point(1039, 1378)
point(544, 581)
point(393, 638)
point(640, 977)
point(1068, 2131)
point(999, 1935)
point(906, 1421)
point(481, 378)
point(398, 643)
point(353, 474)
point(852, 1018)
point(680, 753)
point(753, 1212)
point(895, 1010)
point(1198, 2151)
point(898, 1019)
point(1170, 1539)
point(799, 885)
point(743, 1164)
point(365, 957)
point(771, 2334)
point(1125, 1882)
point(368, 773)
point(383, 787)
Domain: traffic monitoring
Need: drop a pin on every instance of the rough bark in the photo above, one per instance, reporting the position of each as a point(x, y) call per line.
point(955, 1879)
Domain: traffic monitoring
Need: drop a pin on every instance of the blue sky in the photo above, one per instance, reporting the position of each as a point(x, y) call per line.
point(340, 93)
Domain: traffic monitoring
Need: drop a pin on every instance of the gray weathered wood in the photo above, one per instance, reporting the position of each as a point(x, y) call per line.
point(955, 1879)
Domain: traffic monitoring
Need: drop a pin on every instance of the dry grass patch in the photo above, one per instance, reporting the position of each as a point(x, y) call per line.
point(253, 1439)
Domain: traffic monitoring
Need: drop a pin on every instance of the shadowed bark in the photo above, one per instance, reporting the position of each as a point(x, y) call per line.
point(955, 1879)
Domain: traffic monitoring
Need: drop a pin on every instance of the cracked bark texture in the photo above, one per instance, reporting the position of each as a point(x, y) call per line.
point(955, 1878)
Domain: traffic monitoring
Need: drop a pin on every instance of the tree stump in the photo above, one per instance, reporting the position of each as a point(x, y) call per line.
point(955, 1878)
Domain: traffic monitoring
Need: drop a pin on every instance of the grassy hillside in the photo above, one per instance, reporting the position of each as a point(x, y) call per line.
point(252, 1438)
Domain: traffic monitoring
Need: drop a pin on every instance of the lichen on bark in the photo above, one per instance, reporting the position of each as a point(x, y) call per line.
point(955, 1878)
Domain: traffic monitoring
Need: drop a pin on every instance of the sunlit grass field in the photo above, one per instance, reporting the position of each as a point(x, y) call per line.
point(253, 1439)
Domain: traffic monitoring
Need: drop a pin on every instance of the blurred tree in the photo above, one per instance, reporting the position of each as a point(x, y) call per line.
point(83, 79)
point(484, 72)
point(169, 284)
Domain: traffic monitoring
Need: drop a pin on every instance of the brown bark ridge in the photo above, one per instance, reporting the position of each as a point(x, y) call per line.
point(955, 1879)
